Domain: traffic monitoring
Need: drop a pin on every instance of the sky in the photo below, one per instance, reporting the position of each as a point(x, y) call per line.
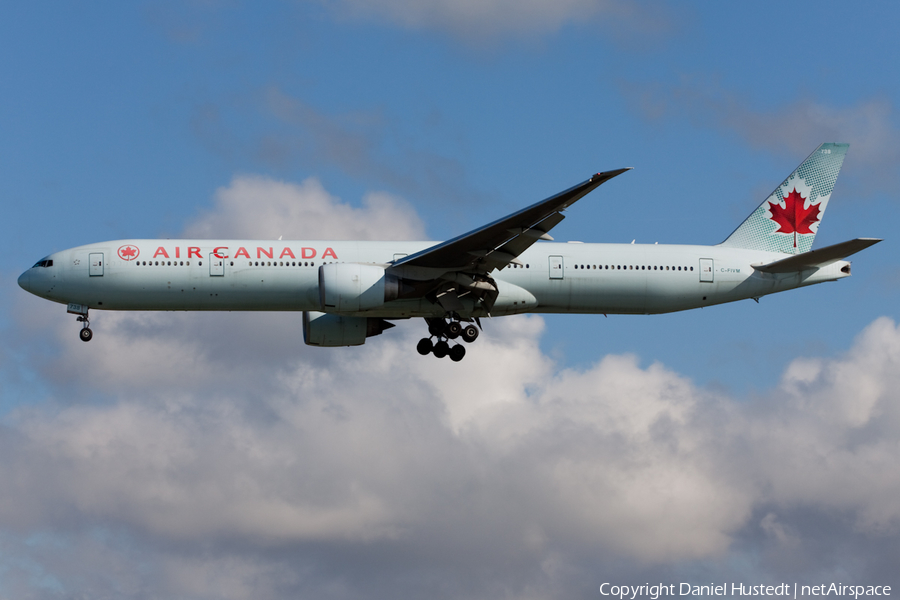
point(204, 456)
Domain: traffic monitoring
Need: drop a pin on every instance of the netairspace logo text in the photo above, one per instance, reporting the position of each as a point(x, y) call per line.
point(740, 589)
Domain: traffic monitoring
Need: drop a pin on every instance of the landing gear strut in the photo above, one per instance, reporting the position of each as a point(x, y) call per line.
point(85, 334)
point(445, 331)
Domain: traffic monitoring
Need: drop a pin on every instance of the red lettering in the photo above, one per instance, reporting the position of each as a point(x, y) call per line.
point(261, 251)
point(287, 252)
point(177, 252)
point(308, 252)
point(241, 252)
point(216, 251)
point(193, 252)
point(329, 252)
point(161, 252)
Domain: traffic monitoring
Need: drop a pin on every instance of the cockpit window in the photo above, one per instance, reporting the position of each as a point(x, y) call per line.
point(43, 263)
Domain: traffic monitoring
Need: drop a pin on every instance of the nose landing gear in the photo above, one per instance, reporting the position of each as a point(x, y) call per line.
point(85, 334)
point(445, 331)
point(81, 310)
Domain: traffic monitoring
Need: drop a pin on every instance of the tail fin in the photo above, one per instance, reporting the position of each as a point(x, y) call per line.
point(789, 218)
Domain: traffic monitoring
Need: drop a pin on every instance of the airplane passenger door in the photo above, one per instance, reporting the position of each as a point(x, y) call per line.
point(95, 260)
point(216, 266)
point(706, 269)
point(556, 267)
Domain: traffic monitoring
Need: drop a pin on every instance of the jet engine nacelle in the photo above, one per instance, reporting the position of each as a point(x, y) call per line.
point(323, 329)
point(351, 287)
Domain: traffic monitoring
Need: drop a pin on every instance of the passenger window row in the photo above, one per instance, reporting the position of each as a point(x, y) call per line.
point(276, 263)
point(635, 267)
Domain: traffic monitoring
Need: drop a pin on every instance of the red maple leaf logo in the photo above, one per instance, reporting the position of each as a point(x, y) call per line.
point(793, 218)
point(128, 252)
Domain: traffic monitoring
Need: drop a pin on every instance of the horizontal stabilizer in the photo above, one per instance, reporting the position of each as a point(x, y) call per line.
point(817, 258)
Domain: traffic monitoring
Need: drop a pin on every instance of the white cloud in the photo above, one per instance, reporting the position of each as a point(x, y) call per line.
point(225, 459)
point(258, 207)
point(833, 440)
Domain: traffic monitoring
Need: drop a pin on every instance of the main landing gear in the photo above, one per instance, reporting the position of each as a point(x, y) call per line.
point(85, 334)
point(445, 331)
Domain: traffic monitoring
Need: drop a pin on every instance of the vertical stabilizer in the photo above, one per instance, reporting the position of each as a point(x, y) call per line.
point(789, 218)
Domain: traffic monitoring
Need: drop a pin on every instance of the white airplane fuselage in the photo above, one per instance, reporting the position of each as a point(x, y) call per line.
point(350, 290)
point(253, 275)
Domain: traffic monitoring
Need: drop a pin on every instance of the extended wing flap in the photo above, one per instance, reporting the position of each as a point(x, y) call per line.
point(504, 238)
point(817, 258)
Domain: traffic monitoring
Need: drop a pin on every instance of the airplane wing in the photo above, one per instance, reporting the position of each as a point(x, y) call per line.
point(817, 258)
point(497, 244)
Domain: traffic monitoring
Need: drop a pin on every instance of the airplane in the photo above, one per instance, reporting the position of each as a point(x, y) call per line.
point(352, 290)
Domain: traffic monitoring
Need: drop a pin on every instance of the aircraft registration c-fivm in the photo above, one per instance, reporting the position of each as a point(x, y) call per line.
point(351, 290)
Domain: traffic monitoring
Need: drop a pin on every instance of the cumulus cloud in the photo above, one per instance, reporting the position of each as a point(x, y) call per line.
point(259, 207)
point(215, 455)
point(794, 128)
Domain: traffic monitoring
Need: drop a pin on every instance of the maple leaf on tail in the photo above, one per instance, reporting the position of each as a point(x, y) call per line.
point(793, 218)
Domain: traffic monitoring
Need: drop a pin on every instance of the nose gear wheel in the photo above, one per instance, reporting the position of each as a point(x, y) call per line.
point(85, 334)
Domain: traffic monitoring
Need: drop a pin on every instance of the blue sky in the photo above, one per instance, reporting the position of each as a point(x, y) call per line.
point(433, 117)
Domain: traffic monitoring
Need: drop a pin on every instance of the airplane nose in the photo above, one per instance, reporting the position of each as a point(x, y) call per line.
point(25, 280)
